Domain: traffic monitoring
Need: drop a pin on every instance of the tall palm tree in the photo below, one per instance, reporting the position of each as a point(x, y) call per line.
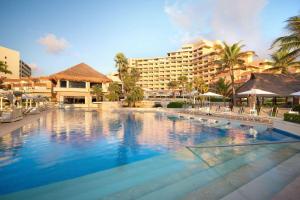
point(3, 68)
point(122, 64)
point(291, 42)
point(201, 87)
point(222, 87)
point(282, 62)
point(231, 58)
point(182, 81)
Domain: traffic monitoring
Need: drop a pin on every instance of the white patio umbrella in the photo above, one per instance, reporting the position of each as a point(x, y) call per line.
point(210, 94)
point(295, 94)
point(257, 92)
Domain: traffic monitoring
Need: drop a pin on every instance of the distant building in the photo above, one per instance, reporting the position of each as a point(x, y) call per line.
point(12, 59)
point(73, 85)
point(192, 60)
point(25, 70)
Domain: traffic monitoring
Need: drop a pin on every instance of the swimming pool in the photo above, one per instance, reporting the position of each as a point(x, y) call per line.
point(65, 144)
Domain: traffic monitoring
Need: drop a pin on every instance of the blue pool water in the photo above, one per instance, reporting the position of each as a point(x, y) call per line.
point(67, 144)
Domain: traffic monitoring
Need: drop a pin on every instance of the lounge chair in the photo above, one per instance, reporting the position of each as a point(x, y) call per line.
point(11, 116)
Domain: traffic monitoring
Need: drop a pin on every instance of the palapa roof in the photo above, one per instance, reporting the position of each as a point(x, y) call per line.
point(81, 72)
point(280, 84)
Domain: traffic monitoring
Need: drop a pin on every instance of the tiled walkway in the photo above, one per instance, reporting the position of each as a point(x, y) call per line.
point(247, 172)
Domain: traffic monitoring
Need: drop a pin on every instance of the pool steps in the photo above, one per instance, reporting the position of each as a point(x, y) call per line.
point(200, 174)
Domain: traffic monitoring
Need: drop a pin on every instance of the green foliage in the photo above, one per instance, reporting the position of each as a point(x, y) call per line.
point(134, 95)
point(97, 90)
point(182, 81)
point(122, 65)
point(172, 85)
point(290, 42)
point(296, 108)
point(231, 58)
point(292, 118)
point(200, 85)
point(3, 68)
point(114, 92)
point(282, 62)
point(175, 104)
point(222, 87)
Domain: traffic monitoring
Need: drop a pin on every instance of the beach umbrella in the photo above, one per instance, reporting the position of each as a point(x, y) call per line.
point(210, 94)
point(296, 93)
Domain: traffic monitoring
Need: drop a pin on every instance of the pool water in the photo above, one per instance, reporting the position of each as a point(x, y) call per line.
point(67, 144)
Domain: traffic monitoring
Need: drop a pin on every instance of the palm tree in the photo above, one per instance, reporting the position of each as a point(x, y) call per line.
point(122, 65)
point(231, 58)
point(222, 87)
point(182, 81)
point(3, 68)
point(97, 90)
point(173, 86)
point(291, 42)
point(282, 62)
point(201, 87)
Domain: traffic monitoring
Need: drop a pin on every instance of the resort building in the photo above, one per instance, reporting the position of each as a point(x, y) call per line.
point(12, 59)
point(192, 60)
point(73, 85)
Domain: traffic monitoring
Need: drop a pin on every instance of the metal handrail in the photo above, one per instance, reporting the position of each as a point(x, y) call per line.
point(243, 144)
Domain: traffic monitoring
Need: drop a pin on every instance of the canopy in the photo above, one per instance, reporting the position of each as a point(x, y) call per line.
point(296, 93)
point(211, 94)
point(256, 92)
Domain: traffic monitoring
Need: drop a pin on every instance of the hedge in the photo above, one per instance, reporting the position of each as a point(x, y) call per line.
point(296, 108)
point(175, 104)
point(292, 118)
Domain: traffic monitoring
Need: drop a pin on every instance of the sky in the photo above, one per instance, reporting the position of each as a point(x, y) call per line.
point(52, 35)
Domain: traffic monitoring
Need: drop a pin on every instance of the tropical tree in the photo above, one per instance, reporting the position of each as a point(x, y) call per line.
point(231, 58)
point(281, 62)
point(201, 87)
point(172, 85)
point(182, 81)
point(136, 94)
point(222, 87)
point(290, 43)
point(3, 68)
point(114, 91)
point(189, 88)
point(122, 65)
point(97, 90)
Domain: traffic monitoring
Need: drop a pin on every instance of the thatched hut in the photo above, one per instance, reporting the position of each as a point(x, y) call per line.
point(73, 85)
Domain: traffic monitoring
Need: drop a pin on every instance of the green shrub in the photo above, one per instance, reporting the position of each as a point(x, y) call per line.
point(296, 108)
point(292, 118)
point(175, 104)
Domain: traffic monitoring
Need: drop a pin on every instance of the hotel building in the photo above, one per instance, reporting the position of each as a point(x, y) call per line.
point(71, 86)
point(192, 60)
point(12, 59)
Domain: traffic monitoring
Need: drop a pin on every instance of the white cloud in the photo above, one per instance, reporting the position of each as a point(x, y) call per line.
point(228, 20)
point(53, 44)
point(36, 70)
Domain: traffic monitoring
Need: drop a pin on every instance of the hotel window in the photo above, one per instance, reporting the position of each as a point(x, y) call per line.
point(76, 84)
point(63, 84)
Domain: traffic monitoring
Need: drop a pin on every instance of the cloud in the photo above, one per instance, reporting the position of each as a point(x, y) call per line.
point(228, 20)
point(53, 44)
point(36, 70)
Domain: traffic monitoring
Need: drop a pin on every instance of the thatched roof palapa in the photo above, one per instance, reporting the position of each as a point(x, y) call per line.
point(280, 84)
point(81, 72)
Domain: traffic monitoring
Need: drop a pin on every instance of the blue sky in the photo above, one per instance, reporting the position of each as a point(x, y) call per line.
point(55, 34)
